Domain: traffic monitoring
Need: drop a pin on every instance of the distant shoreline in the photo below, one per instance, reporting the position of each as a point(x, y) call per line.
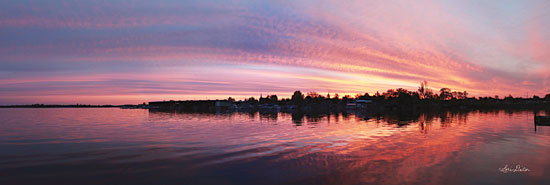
point(392, 100)
point(60, 106)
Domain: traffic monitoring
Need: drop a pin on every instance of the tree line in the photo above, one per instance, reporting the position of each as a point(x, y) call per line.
point(401, 98)
point(423, 93)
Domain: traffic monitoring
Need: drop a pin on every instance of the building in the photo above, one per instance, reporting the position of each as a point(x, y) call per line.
point(359, 104)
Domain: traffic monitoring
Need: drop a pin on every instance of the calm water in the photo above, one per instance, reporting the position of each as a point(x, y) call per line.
point(116, 146)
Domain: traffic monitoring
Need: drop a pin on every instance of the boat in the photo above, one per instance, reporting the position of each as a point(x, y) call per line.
point(542, 120)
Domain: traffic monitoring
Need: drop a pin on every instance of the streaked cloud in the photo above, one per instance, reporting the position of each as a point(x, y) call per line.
point(133, 51)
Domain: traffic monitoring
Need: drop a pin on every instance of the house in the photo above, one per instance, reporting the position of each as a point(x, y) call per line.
point(358, 104)
point(224, 105)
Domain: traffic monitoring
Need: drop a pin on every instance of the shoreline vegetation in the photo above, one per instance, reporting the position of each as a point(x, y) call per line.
point(395, 100)
point(424, 99)
point(59, 106)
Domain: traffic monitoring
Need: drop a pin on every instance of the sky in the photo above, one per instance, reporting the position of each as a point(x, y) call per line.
point(118, 52)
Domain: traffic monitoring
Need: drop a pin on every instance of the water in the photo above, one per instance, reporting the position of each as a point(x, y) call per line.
point(119, 146)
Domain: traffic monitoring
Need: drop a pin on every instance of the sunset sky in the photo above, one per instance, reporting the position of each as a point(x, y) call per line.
point(117, 52)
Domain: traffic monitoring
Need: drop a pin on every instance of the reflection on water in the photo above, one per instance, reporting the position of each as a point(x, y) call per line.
point(116, 146)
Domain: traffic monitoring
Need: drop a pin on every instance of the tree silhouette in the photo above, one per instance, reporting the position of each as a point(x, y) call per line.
point(509, 97)
point(445, 94)
point(273, 98)
point(423, 89)
point(297, 98)
point(313, 94)
point(231, 99)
